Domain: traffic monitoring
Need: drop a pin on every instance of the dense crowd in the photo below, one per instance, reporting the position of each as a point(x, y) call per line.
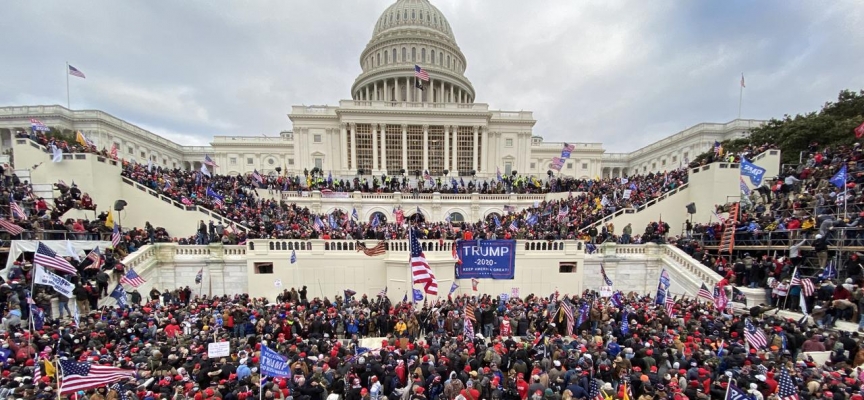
point(518, 348)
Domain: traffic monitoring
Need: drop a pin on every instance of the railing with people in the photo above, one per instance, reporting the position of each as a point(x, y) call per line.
point(836, 238)
point(639, 208)
point(51, 234)
point(401, 245)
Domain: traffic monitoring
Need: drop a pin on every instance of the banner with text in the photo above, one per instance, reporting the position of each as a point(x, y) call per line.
point(486, 259)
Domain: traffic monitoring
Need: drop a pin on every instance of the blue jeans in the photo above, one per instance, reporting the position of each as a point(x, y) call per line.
point(488, 328)
point(63, 305)
point(239, 330)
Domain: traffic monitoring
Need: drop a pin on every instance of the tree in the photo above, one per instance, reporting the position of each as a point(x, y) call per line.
point(832, 126)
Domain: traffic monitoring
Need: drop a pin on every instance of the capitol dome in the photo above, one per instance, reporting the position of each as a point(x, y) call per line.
point(409, 33)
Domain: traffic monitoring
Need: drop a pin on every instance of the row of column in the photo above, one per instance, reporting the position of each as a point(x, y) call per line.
point(412, 94)
point(450, 163)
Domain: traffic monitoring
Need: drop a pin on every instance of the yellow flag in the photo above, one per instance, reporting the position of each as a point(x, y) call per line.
point(79, 137)
point(109, 222)
point(49, 368)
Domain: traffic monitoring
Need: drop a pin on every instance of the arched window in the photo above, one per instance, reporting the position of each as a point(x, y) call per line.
point(423, 55)
point(404, 55)
point(435, 18)
point(440, 58)
point(421, 15)
point(386, 57)
point(379, 59)
point(391, 18)
point(413, 54)
point(406, 15)
point(382, 219)
point(491, 217)
point(412, 15)
point(397, 16)
point(448, 61)
point(394, 55)
point(432, 55)
point(456, 217)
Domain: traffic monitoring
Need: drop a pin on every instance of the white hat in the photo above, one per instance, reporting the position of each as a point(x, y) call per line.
point(818, 236)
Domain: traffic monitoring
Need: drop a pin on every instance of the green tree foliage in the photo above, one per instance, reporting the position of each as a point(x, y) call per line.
point(834, 125)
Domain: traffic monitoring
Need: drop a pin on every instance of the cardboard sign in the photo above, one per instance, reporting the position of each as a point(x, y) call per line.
point(219, 349)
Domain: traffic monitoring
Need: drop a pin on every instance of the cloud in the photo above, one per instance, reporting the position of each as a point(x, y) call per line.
point(621, 73)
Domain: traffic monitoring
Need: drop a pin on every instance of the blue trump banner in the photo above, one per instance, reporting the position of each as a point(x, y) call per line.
point(752, 171)
point(489, 259)
point(274, 364)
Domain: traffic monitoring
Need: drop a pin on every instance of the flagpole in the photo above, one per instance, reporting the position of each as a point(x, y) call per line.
point(789, 290)
point(740, 95)
point(67, 85)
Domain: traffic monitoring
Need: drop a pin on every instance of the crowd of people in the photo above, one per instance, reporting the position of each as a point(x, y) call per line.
point(518, 348)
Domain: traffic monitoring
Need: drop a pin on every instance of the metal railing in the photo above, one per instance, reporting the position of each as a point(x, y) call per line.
point(633, 210)
point(46, 234)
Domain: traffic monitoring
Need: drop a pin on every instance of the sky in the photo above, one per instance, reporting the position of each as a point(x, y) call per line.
point(621, 73)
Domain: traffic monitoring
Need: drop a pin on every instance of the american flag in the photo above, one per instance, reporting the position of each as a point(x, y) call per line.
point(199, 276)
point(605, 277)
point(594, 392)
point(670, 304)
point(421, 73)
point(563, 212)
point(705, 294)
point(468, 329)
point(75, 72)
point(209, 161)
point(469, 312)
point(132, 279)
point(420, 269)
point(115, 236)
point(568, 313)
point(742, 85)
point(37, 125)
point(11, 227)
point(569, 147)
point(117, 388)
point(113, 150)
point(82, 376)
point(185, 200)
point(318, 224)
point(17, 210)
point(735, 393)
point(514, 226)
point(257, 177)
point(786, 390)
point(754, 335)
point(377, 250)
point(474, 284)
point(49, 259)
point(95, 256)
point(383, 292)
point(806, 284)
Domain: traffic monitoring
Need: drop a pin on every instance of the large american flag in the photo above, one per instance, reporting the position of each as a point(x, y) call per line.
point(705, 294)
point(209, 161)
point(806, 284)
point(115, 236)
point(132, 278)
point(49, 259)
point(11, 227)
point(17, 210)
point(594, 392)
point(754, 335)
point(377, 250)
point(420, 269)
point(786, 390)
point(113, 150)
point(670, 304)
point(469, 312)
point(421, 73)
point(568, 314)
point(82, 376)
point(75, 72)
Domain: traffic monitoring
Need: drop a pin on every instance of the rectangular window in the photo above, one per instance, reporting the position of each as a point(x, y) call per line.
point(584, 165)
point(533, 166)
point(263, 267)
point(129, 150)
point(415, 148)
point(393, 136)
point(663, 162)
point(316, 138)
point(569, 165)
point(508, 168)
point(465, 150)
point(232, 161)
point(674, 158)
point(165, 161)
point(567, 267)
point(364, 147)
point(249, 160)
point(686, 156)
point(508, 142)
point(319, 162)
point(143, 154)
point(436, 150)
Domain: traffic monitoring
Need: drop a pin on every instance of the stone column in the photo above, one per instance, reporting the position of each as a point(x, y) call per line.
point(474, 159)
point(446, 147)
point(459, 96)
point(353, 147)
point(430, 91)
point(386, 92)
point(383, 147)
point(367, 93)
point(452, 94)
point(343, 143)
point(425, 147)
point(374, 147)
point(455, 149)
point(405, 147)
point(484, 134)
point(375, 91)
point(441, 94)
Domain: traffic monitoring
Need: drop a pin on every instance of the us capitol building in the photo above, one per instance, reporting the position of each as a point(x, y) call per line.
point(390, 124)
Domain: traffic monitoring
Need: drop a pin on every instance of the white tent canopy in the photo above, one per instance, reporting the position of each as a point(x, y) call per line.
point(61, 247)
